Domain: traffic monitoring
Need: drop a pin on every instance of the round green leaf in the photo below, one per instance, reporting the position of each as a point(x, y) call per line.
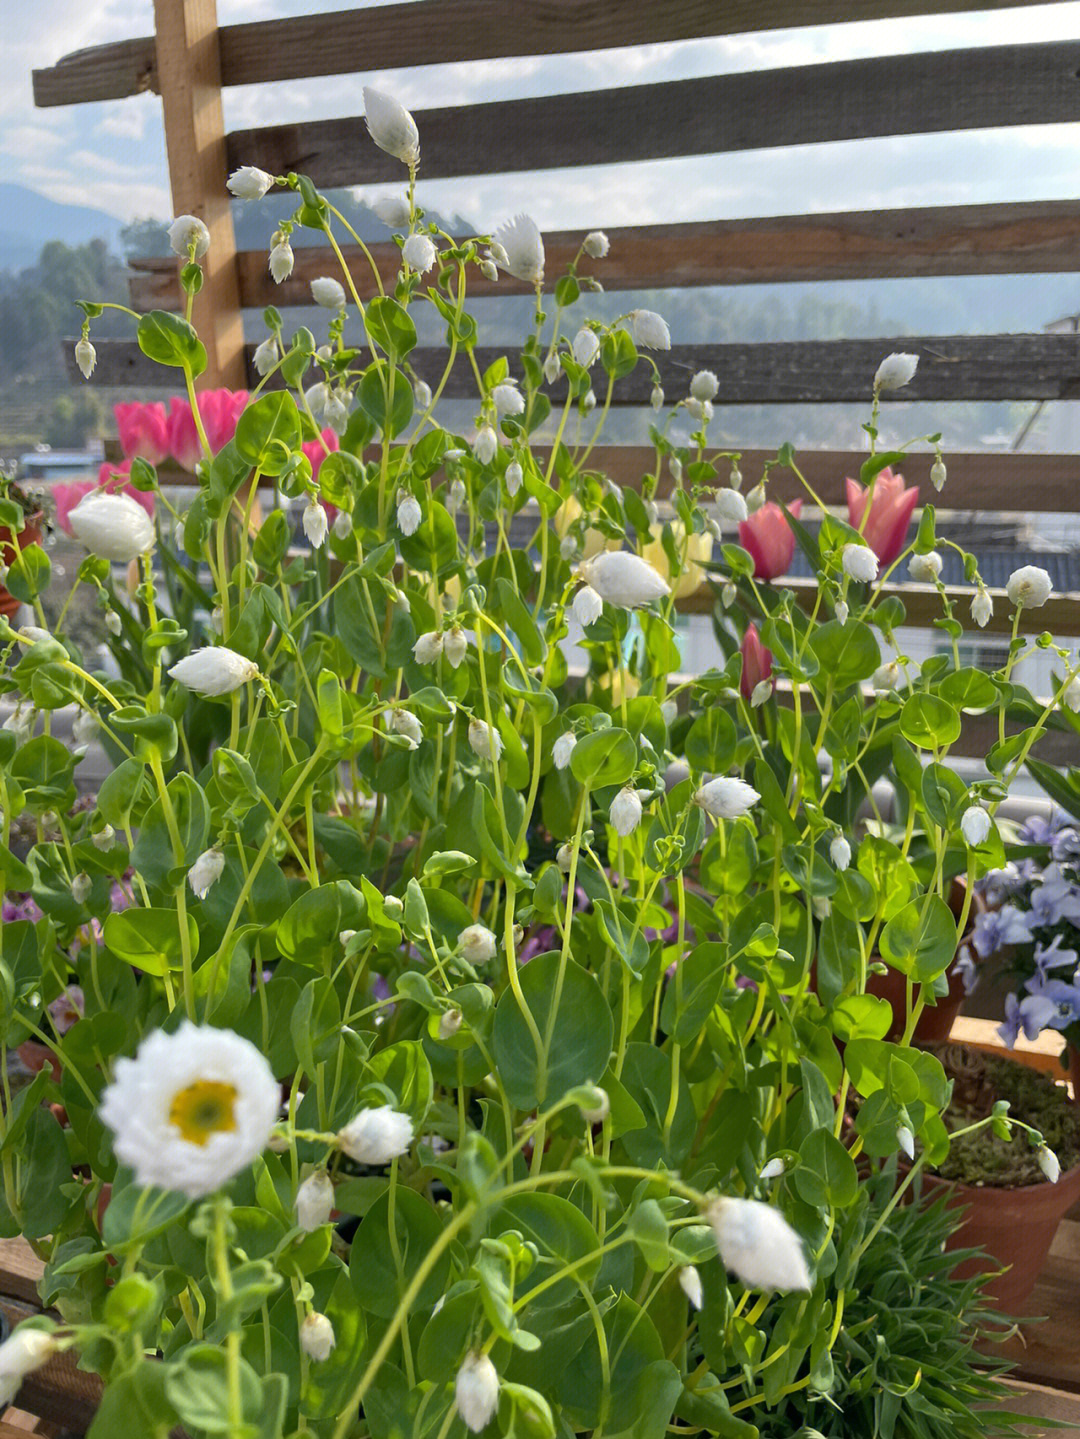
point(605, 757)
point(929, 722)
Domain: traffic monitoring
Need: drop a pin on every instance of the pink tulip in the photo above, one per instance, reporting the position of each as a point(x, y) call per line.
point(143, 431)
point(769, 539)
point(184, 444)
point(219, 411)
point(111, 478)
point(891, 507)
point(756, 662)
point(316, 450)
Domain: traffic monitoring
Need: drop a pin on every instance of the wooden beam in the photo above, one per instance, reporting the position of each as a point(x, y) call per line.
point(1029, 238)
point(802, 105)
point(190, 79)
point(952, 367)
point(395, 36)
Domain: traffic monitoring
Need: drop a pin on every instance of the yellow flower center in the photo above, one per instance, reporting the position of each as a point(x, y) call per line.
point(203, 1109)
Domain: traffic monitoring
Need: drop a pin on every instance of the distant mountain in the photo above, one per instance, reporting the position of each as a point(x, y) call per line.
point(29, 220)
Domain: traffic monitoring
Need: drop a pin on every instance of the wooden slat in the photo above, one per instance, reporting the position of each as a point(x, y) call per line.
point(803, 105)
point(951, 367)
point(1043, 1053)
point(402, 35)
point(1040, 237)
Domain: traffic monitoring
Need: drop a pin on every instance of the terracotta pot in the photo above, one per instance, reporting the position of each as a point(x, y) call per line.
point(1016, 1227)
point(10, 544)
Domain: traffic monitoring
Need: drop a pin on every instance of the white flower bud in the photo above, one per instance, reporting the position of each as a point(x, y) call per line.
point(735, 477)
point(924, 569)
point(860, 563)
point(456, 496)
point(1028, 586)
point(84, 727)
point(563, 748)
point(249, 182)
point(187, 233)
point(704, 385)
point(343, 526)
point(596, 244)
point(317, 1337)
point(586, 347)
point(652, 509)
point(568, 547)
point(281, 260)
point(598, 1108)
point(391, 126)
point(937, 474)
point(756, 498)
point(214, 670)
point(428, 648)
point(772, 1170)
point(564, 857)
point(649, 330)
point(421, 394)
point(328, 293)
point(552, 368)
point(842, 612)
point(314, 1201)
point(393, 211)
point(700, 409)
point(656, 397)
point(112, 622)
point(485, 444)
point(449, 1023)
point(514, 476)
point(508, 399)
point(485, 742)
point(906, 1140)
point(1070, 695)
point(730, 507)
point(624, 579)
point(759, 1245)
point(316, 523)
point(974, 825)
point(499, 255)
point(625, 811)
point(116, 527)
point(265, 356)
point(489, 270)
point(726, 798)
point(104, 838)
point(840, 852)
point(376, 1136)
point(895, 371)
point(409, 513)
point(521, 248)
point(761, 692)
point(393, 907)
point(727, 595)
point(85, 357)
point(476, 943)
point(1047, 1161)
point(690, 1284)
point(81, 886)
point(455, 645)
point(25, 1350)
point(419, 253)
point(408, 726)
point(587, 606)
point(889, 676)
point(588, 401)
point(206, 871)
point(982, 607)
point(476, 1392)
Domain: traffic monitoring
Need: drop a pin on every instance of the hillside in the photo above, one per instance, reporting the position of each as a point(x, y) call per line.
point(29, 220)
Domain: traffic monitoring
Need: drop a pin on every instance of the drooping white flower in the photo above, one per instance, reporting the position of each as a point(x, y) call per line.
point(761, 692)
point(906, 1140)
point(704, 385)
point(552, 368)
point(563, 748)
point(450, 1021)
point(477, 944)
point(982, 607)
point(587, 606)
point(974, 825)
point(508, 399)
point(317, 1338)
point(104, 838)
point(756, 497)
point(456, 496)
point(26, 1349)
point(889, 676)
point(860, 563)
point(113, 622)
point(564, 857)
point(316, 397)
point(649, 330)
point(84, 727)
point(408, 726)
point(81, 886)
point(116, 527)
point(249, 182)
point(726, 797)
point(191, 1109)
point(588, 401)
point(700, 409)
point(476, 1391)
point(391, 126)
point(214, 670)
point(727, 595)
point(840, 852)
point(730, 507)
point(85, 357)
point(409, 513)
point(265, 356)
point(187, 233)
point(690, 1284)
point(522, 249)
point(596, 244)
point(419, 253)
point(205, 872)
point(772, 1170)
point(343, 525)
point(586, 347)
point(624, 579)
point(597, 1108)
point(393, 211)
point(485, 444)
point(455, 645)
point(314, 1201)
point(498, 254)
point(841, 612)
point(656, 397)
point(328, 292)
point(625, 811)
point(485, 742)
point(376, 1136)
point(421, 394)
point(514, 476)
point(316, 523)
point(937, 474)
point(759, 1245)
point(428, 648)
point(281, 260)
point(895, 371)
point(1070, 695)
point(1029, 586)
point(1045, 1158)
point(924, 569)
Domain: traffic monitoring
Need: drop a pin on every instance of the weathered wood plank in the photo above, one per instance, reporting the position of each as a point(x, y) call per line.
point(190, 78)
point(1038, 237)
point(803, 105)
point(951, 367)
point(400, 35)
point(1043, 1053)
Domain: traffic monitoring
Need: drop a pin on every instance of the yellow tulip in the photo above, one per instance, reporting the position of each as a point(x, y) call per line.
point(566, 514)
point(699, 549)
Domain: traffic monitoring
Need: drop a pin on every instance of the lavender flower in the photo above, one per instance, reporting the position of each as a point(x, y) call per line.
point(999, 927)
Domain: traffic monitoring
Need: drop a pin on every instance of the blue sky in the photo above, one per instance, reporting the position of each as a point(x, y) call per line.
point(112, 155)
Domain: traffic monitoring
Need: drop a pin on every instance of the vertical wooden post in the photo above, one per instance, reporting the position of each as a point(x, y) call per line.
point(189, 75)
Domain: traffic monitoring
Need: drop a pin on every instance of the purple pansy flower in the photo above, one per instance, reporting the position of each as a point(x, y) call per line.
point(998, 927)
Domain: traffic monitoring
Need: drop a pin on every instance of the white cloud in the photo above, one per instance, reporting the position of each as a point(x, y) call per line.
point(123, 120)
point(30, 141)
